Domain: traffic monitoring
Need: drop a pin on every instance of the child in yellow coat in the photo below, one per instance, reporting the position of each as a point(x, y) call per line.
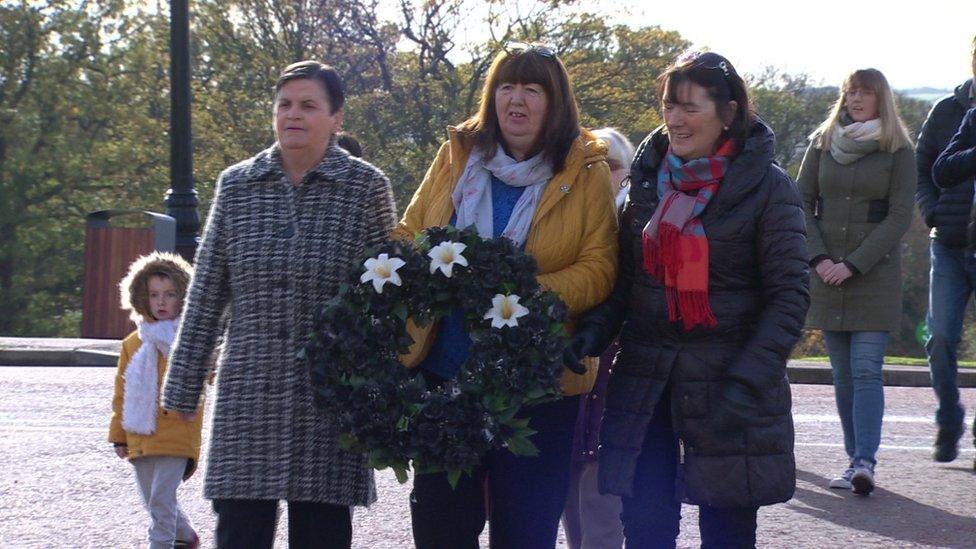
point(163, 447)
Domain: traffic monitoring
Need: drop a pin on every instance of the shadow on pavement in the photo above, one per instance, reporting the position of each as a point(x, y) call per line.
point(885, 513)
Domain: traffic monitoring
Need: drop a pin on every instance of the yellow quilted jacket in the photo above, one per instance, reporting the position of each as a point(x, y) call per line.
point(573, 236)
point(173, 436)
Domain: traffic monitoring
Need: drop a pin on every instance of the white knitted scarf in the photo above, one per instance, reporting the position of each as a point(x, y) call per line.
point(472, 195)
point(140, 399)
point(851, 142)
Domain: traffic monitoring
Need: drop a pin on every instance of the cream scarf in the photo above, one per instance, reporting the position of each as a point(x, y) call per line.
point(140, 399)
point(849, 143)
point(472, 194)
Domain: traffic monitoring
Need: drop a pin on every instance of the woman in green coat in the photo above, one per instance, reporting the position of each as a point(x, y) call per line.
point(858, 183)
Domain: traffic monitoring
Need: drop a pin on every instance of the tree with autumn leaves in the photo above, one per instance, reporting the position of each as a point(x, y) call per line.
point(84, 107)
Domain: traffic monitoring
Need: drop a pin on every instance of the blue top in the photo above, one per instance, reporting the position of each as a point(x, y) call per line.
point(452, 344)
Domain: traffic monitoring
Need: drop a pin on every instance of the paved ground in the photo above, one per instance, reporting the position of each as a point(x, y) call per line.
point(43, 351)
point(63, 487)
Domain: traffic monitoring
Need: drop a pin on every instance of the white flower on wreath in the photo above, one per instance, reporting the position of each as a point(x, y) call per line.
point(382, 269)
point(505, 311)
point(445, 256)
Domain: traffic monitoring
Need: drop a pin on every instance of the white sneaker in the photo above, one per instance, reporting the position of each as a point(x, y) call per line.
point(862, 481)
point(843, 482)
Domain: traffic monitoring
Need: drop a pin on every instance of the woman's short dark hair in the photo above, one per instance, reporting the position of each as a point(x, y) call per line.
point(350, 144)
point(325, 75)
point(723, 84)
point(528, 64)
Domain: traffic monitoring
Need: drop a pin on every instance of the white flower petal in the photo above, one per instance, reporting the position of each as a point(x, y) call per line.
point(380, 270)
point(445, 255)
point(505, 311)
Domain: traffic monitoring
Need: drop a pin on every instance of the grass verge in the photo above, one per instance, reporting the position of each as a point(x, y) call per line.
point(904, 360)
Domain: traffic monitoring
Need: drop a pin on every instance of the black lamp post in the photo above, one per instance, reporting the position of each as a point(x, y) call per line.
point(181, 199)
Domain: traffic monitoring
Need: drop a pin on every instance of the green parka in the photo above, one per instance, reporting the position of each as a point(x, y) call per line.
point(857, 213)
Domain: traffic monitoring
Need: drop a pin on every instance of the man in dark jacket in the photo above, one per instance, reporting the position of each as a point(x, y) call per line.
point(956, 166)
point(952, 278)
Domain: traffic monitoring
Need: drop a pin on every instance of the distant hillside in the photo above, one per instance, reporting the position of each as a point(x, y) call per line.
point(925, 94)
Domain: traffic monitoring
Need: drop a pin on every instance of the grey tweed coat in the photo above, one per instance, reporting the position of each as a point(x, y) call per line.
point(272, 252)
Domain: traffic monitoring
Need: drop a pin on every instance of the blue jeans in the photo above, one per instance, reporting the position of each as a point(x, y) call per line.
point(856, 359)
point(952, 280)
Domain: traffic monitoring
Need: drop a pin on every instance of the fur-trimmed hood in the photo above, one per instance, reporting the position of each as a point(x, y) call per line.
point(134, 288)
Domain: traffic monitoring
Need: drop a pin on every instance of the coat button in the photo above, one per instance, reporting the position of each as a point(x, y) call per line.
point(646, 184)
point(282, 284)
point(594, 396)
point(288, 231)
point(591, 452)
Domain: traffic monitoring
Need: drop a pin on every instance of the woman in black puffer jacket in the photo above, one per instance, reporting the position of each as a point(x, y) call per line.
point(710, 298)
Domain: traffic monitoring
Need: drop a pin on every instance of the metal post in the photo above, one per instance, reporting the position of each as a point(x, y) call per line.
point(181, 199)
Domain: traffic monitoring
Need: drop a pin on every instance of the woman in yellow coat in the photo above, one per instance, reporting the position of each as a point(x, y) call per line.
point(521, 168)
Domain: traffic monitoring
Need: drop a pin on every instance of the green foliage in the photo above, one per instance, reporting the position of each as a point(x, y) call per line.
point(84, 108)
point(74, 133)
point(792, 107)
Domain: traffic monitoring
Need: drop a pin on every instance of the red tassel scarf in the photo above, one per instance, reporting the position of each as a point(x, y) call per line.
point(675, 244)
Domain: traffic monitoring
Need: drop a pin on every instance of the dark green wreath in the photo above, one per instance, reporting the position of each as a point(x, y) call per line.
point(388, 412)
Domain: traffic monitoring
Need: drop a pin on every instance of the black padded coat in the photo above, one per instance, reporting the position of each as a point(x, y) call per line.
point(945, 210)
point(758, 291)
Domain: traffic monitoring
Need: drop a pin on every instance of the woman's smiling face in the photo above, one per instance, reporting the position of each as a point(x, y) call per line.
point(693, 122)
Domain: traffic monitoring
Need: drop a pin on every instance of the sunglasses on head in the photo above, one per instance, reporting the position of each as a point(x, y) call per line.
point(543, 50)
point(708, 60)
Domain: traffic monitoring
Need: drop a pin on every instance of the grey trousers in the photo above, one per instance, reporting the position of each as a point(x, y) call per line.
point(591, 520)
point(158, 478)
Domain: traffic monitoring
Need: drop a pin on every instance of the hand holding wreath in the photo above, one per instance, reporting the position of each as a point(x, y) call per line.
point(381, 408)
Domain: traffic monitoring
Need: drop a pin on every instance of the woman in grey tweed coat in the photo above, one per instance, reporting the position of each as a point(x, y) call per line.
point(283, 231)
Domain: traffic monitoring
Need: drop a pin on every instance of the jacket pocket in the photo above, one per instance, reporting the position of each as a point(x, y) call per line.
point(877, 210)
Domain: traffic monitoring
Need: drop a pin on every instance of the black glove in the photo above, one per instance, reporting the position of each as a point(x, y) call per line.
point(582, 344)
point(737, 405)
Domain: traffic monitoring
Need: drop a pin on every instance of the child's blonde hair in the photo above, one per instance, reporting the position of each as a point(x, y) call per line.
point(134, 287)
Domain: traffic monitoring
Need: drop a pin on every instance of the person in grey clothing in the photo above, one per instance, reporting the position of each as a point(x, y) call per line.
point(283, 232)
point(952, 278)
